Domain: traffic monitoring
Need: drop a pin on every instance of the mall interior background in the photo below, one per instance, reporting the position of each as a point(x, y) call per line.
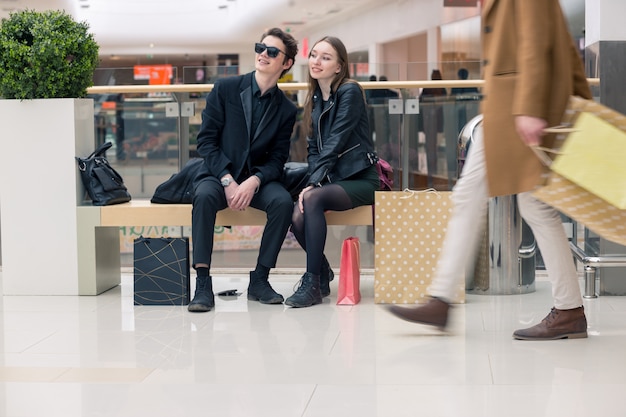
point(403, 41)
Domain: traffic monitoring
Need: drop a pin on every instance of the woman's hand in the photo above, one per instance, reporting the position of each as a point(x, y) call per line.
point(300, 206)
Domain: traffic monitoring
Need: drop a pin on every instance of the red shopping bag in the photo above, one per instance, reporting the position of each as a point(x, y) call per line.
point(349, 273)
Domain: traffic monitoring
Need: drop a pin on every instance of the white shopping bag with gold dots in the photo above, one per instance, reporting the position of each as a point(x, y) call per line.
point(409, 230)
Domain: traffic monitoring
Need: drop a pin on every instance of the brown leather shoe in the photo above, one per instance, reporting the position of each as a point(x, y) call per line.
point(433, 313)
point(558, 324)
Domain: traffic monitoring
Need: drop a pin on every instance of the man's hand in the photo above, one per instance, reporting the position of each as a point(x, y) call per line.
point(530, 129)
point(239, 196)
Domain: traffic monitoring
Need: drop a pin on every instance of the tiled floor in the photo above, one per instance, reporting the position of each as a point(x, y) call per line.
point(102, 356)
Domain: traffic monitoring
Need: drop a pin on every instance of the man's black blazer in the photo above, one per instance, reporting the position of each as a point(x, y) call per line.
point(224, 138)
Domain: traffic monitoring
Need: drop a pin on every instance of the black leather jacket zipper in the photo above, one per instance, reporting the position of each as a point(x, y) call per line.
point(319, 137)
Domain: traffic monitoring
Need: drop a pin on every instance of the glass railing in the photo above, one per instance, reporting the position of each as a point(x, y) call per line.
point(154, 127)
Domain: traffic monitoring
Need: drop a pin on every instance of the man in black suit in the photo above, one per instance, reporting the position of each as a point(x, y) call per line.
point(244, 140)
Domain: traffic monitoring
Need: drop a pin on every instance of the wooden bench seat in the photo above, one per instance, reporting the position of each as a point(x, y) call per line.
point(144, 213)
point(98, 234)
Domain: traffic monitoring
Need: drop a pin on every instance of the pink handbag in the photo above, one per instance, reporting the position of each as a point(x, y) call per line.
point(348, 292)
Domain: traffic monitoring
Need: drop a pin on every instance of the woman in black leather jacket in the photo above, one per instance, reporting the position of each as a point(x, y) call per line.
point(341, 161)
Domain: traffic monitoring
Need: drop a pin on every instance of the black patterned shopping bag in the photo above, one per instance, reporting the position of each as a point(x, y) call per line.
point(161, 271)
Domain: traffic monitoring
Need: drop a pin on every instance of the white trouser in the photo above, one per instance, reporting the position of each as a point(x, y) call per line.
point(471, 198)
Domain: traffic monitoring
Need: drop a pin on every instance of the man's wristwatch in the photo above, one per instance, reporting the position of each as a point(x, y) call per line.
point(226, 181)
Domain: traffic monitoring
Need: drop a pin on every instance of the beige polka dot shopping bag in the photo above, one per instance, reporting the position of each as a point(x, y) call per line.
point(595, 213)
point(409, 228)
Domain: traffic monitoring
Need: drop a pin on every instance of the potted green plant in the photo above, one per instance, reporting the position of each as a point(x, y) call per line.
point(45, 55)
point(47, 62)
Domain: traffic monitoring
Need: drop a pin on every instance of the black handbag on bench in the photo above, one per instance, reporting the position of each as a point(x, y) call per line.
point(103, 183)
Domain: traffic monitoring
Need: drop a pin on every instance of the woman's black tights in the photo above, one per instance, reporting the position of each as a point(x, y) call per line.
point(310, 227)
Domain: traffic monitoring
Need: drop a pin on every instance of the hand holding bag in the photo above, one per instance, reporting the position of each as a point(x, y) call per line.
point(348, 292)
point(588, 202)
point(593, 153)
point(103, 183)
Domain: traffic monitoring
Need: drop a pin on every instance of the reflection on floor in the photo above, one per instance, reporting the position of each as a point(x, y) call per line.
point(102, 356)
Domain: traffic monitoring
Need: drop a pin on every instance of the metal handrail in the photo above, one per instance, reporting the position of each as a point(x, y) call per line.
point(597, 261)
point(199, 88)
point(591, 263)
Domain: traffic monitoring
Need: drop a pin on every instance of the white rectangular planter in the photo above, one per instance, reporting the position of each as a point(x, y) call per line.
point(40, 195)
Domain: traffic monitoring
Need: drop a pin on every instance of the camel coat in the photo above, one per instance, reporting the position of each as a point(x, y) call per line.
point(531, 67)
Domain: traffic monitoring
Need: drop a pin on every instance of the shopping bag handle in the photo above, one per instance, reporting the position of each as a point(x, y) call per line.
point(560, 129)
point(410, 193)
point(542, 153)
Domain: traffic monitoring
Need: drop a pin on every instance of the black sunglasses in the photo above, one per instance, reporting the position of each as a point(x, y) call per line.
point(272, 51)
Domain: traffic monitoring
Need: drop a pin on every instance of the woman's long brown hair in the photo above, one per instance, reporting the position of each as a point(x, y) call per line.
point(343, 76)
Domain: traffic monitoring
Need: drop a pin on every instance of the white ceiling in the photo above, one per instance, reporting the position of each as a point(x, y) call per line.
point(129, 27)
point(209, 27)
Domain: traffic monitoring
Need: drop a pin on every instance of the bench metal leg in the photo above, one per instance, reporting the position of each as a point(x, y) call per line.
point(98, 254)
